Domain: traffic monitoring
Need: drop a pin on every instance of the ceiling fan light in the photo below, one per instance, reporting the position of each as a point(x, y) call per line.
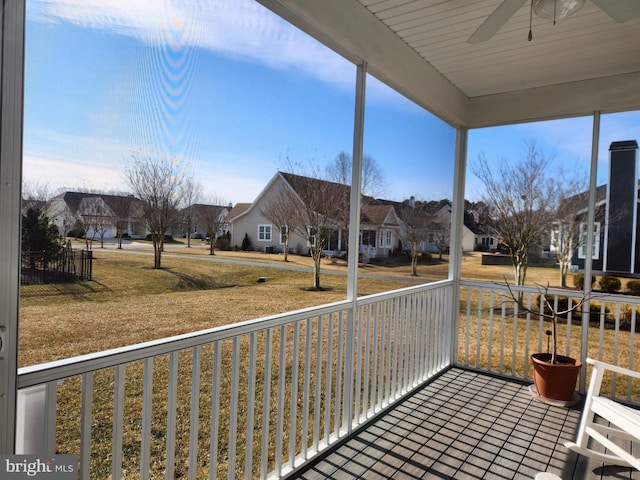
point(556, 9)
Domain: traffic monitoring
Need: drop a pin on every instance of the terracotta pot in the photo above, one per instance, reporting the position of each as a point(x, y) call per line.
point(555, 381)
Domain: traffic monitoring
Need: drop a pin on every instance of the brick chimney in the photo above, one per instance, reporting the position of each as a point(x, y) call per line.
point(621, 230)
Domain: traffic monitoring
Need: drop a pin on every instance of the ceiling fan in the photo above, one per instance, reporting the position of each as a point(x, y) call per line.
point(619, 10)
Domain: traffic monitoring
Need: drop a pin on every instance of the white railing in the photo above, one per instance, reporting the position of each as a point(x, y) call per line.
point(494, 336)
point(256, 399)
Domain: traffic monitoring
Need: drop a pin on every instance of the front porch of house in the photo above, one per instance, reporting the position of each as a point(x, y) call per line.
point(465, 425)
point(444, 391)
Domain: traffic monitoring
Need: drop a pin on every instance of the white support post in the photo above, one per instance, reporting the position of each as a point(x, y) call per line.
point(457, 224)
point(352, 261)
point(11, 93)
point(588, 267)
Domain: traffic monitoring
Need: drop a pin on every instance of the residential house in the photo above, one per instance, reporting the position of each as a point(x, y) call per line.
point(380, 224)
point(97, 213)
point(616, 233)
point(203, 217)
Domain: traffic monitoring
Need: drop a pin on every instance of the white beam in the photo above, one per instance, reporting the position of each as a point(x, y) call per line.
point(609, 94)
point(11, 94)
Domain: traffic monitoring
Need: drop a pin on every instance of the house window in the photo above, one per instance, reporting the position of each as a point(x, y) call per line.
point(582, 251)
point(369, 237)
point(264, 233)
point(389, 238)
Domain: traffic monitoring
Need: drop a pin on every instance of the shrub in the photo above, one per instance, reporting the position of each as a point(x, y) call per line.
point(609, 284)
point(246, 243)
point(425, 257)
point(222, 243)
point(578, 281)
point(634, 287)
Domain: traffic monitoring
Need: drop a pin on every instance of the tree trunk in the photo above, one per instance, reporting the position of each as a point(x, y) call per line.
point(316, 269)
point(563, 274)
point(414, 265)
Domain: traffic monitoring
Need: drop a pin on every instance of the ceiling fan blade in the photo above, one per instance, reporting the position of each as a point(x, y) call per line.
point(496, 21)
point(620, 10)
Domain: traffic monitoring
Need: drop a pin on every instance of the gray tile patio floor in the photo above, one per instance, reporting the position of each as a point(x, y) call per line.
point(465, 425)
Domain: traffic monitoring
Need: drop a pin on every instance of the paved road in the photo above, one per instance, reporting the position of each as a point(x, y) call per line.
point(128, 246)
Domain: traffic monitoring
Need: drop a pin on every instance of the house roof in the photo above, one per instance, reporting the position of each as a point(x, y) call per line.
point(378, 214)
point(302, 185)
point(74, 199)
point(199, 208)
point(238, 209)
point(585, 63)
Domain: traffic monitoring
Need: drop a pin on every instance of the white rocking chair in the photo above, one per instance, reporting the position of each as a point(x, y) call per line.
point(625, 421)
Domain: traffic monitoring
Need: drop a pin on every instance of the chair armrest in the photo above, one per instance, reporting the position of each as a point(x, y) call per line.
point(613, 368)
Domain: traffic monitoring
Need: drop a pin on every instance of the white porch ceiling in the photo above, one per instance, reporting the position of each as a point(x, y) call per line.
point(584, 63)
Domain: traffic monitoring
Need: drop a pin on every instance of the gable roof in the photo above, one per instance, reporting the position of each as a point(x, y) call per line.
point(238, 209)
point(379, 215)
point(73, 200)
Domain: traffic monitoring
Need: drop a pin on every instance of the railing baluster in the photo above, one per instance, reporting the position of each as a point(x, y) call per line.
point(147, 408)
point(527, 337)
point(601, 336)
point(293, 402)
point(396, 349)
point(318, 384)
point(306, 387)
point(615, 348)
point(388, 373)
point(118, 414)
point(503, 325)
point(85, 425)
point(233, 408)
point(340, 366)
point(366, 322)
point(374, 357)
point(266, 405)
point(195, 412)
point(328, 393)
point(282, 373)
point(172, 405)
point(490, 337)
point(251, 407)
point(215, 409)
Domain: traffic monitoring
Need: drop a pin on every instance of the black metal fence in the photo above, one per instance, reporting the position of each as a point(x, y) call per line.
point(67, 266)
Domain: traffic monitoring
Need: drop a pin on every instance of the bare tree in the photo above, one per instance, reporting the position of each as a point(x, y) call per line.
point(418, 223)
point(96, 217)
point(211, 217)
point(373, 178)
point(569, 197)
point(36, 194)
point(122, 207)
point(520, 196)
point(320, 212)
point(284, 210)
point(441, 235)
point(157, 182)
point(192, 191)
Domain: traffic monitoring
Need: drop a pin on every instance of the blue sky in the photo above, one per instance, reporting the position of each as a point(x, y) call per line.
point(233, 90)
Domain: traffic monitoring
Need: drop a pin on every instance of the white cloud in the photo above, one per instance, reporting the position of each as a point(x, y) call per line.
point(59, 174)
point(238, 28)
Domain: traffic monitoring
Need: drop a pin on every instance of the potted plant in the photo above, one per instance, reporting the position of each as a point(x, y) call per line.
point(554, 375)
